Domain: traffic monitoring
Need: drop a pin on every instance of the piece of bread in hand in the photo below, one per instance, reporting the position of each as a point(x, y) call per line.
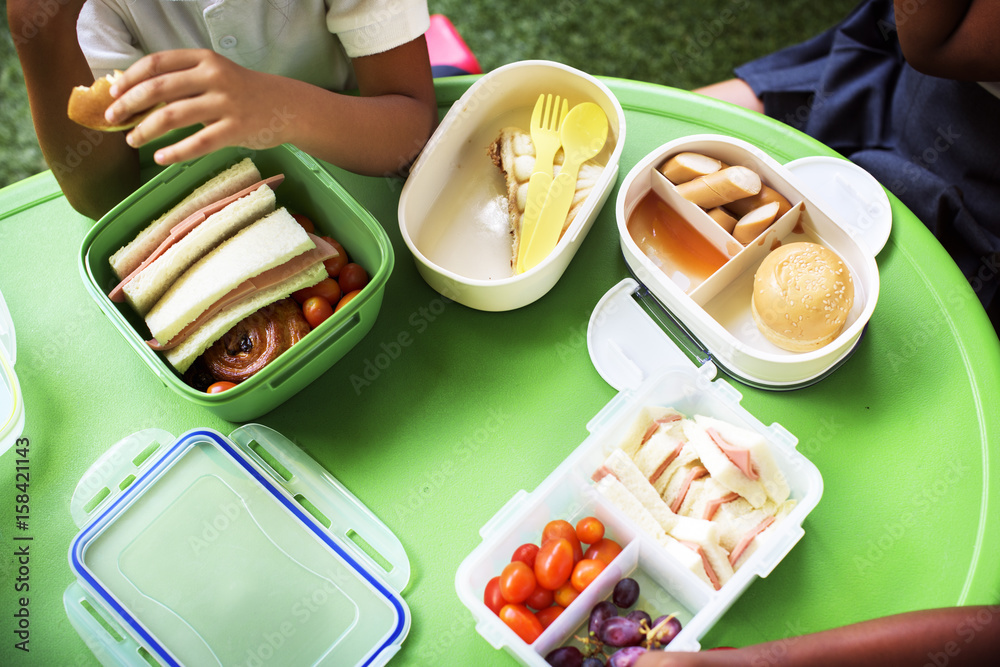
point(514, 154)
point(87, 105)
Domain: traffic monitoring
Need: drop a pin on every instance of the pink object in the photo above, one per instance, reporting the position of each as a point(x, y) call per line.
point(446, 47)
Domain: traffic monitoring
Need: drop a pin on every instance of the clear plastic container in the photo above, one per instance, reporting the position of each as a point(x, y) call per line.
point(11, 401)
point(208, 550)
point(568, 493)
point(852, 219)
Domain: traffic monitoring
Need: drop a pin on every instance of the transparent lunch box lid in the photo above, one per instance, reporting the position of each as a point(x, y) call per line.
point(214, 550)
point(11, 402)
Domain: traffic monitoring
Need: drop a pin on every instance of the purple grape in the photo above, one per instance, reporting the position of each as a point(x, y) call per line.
point(638, 615)
point(592, 661)
point(601, 612)
point(567, 656)
point(620, 631)
point(665, 634)
point(625, 657)
point(626, 593)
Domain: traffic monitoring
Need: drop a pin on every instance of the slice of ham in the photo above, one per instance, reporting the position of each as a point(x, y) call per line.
point(662, 468)
point(695, 473)
point(709, 570)
point(749, 537)
point(323, 251)
point(655, 426)
point(740, 456)
point(713, 505)
point(185, 227)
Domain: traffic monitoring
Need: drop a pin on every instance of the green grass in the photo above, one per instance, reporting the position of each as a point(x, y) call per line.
point(683, 43)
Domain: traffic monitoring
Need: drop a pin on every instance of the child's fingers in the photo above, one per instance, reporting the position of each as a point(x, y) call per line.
point(154, 65)
point(178, 114)
point(202, 142)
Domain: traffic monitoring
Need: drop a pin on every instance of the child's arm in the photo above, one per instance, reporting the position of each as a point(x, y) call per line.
point(377, 133)
point(95, 170)
point(955, 39)
point(954, 636)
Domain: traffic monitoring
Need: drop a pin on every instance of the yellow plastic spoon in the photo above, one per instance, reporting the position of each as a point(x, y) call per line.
point(583, 133)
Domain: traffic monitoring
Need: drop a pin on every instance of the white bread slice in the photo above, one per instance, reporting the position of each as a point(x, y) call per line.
point(611, 488)
point(772, 479)
point(514, 154)
point(705, 535)
point(268, 242)
point(241, 175)
point(739, 553)
point(621, 466)
point(182, 356)
point(688, 557)
point(641, 429)
point(146, 288)
point(664, 452)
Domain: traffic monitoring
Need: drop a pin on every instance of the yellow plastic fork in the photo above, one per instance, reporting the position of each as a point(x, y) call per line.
point(546, 121)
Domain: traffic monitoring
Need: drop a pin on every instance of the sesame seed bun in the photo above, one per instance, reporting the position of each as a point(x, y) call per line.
point(802, 295)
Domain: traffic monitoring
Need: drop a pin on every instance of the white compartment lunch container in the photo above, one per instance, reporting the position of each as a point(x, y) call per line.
point(568, 493)
point(11, 402)
point(208, 550)
point(453, 207)
point(842, 207)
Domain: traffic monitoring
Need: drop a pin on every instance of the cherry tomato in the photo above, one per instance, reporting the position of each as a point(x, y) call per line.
point(346, 299)
point(220, 386)
point(585, 572)
point(520, 619)
point(565, 530)
point(589, 530)
point(554, 563)
point(326, 288)
point(565, 595)
point(306, 223)
point(540, 598)
point(526, 553)
point(316, 309)
point(604, 551)
point(517, 582)
point(352, 277)
point(549, 614)
point(492, 597)
point(335, 264)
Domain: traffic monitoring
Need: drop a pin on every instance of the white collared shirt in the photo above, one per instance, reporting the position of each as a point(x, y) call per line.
point(308, 40)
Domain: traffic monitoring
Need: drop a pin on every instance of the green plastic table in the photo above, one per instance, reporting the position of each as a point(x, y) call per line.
point(442, 413)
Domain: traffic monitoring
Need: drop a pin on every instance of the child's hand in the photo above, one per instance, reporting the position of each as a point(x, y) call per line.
point(236, 106)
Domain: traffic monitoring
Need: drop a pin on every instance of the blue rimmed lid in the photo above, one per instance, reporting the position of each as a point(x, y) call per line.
point(11, 403)
point(242, 550)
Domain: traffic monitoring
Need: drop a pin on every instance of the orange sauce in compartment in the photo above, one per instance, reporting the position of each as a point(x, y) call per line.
point(672, 243)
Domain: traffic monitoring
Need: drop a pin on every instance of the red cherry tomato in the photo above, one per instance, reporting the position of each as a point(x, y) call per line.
point(565, 530)
point(589, 530)
point(526, 553)
point(520, 619)
point(554, 563)
point(220, 386)
point(346, 299)
point(517, 582)
point(352, 277)
point(585, 572)
point(540, 598)
point(306, 223)
point(326, 288)
point(565, 595)
point(316, 309)
point(335, 264)
point(549, 614)
point(492, 596)
point(604, 551)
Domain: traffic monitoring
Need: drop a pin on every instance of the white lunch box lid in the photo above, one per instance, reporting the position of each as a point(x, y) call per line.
point(208, 550)
point(11, 402)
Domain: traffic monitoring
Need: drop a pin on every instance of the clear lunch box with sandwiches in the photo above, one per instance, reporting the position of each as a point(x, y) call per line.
point(834, 204)
point(213, 550)
point(308, 189)
point(668, 585)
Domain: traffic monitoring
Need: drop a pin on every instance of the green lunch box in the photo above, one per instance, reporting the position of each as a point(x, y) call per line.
point(308, 189)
